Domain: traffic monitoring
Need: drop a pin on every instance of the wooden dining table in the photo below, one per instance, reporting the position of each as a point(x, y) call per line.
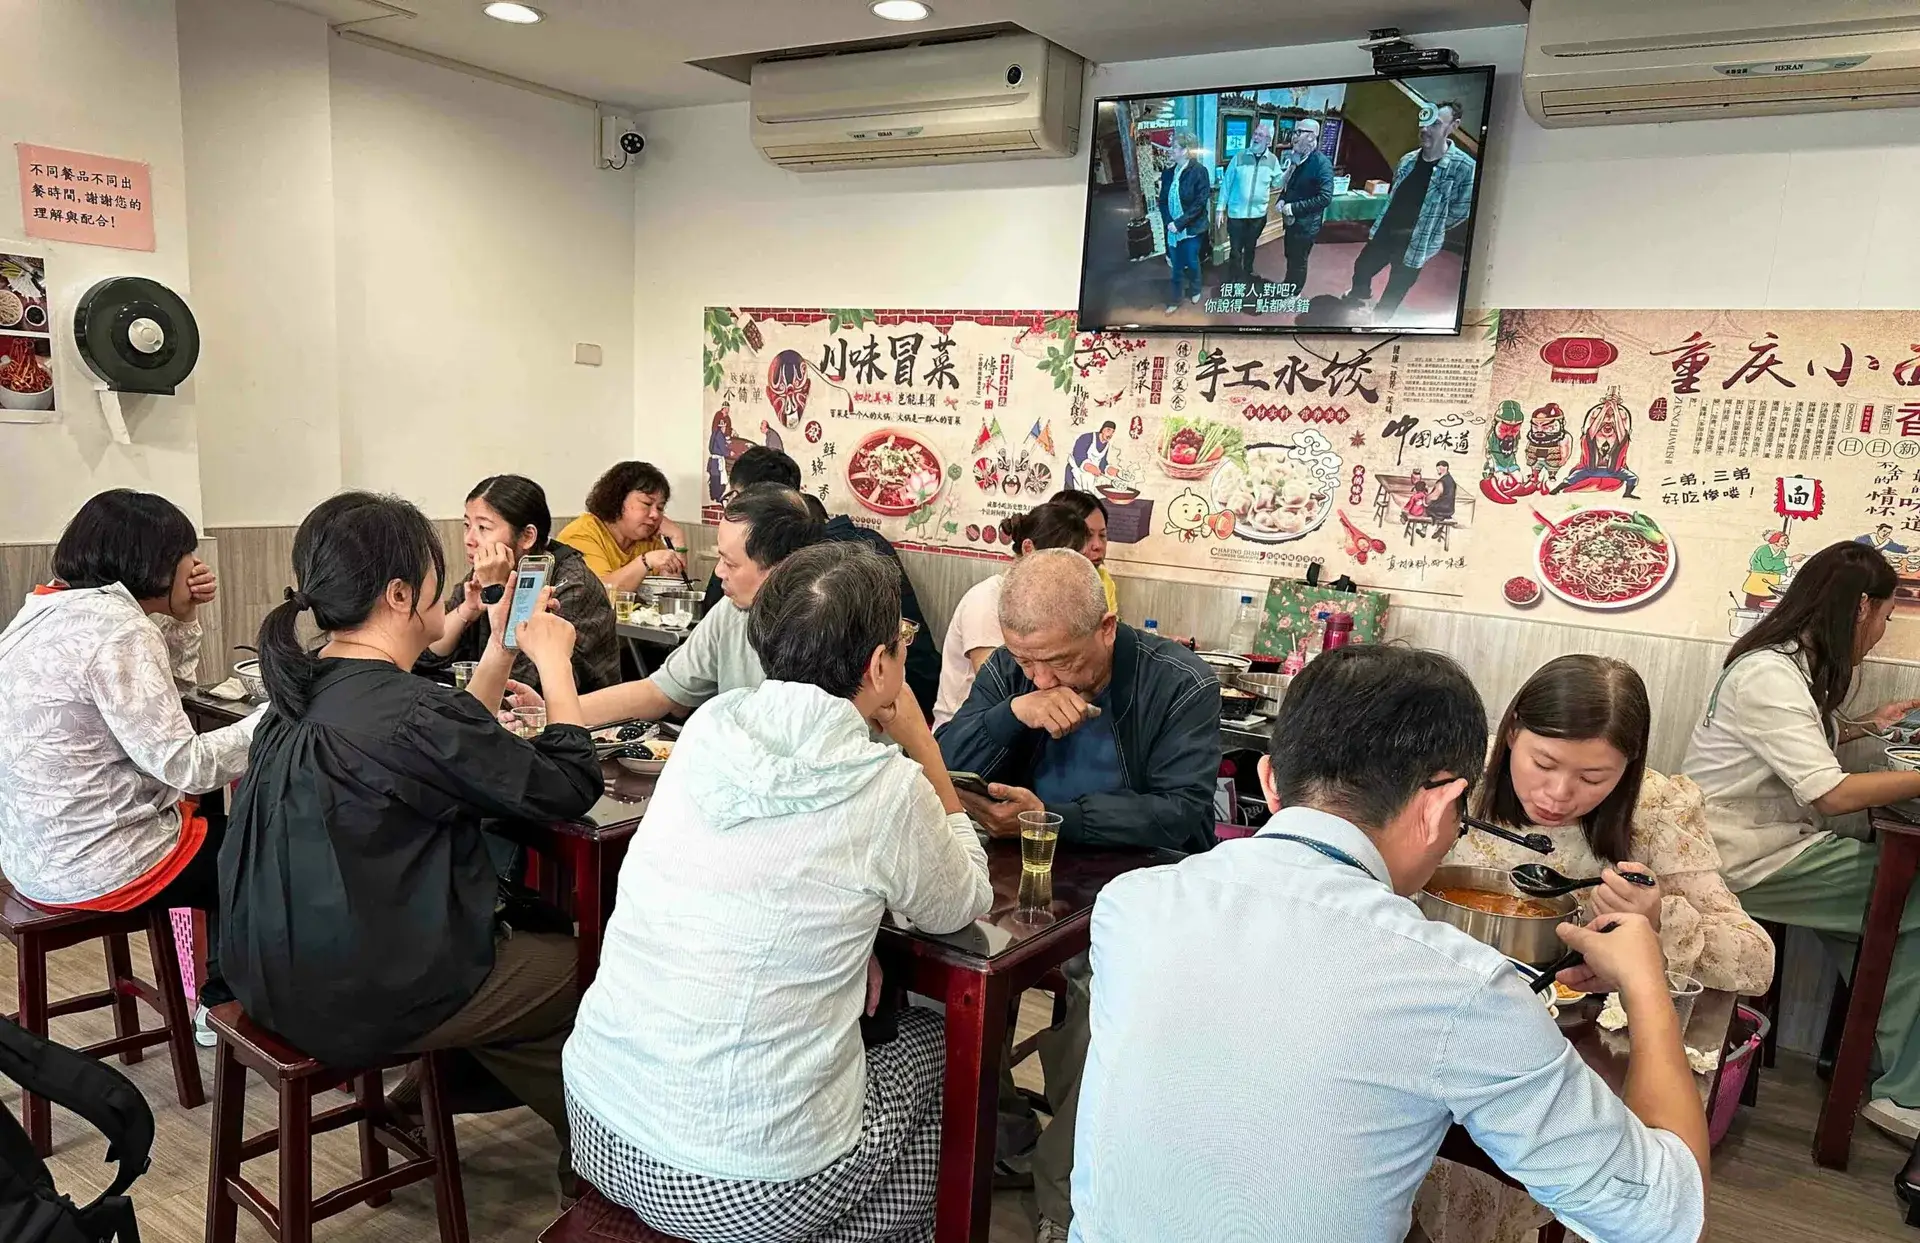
point(978, 973)
point(580, 859)
point(1893, 877)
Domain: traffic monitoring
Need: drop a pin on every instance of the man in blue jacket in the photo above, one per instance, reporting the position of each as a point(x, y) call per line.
point(1185, 188)
point(1115, 730)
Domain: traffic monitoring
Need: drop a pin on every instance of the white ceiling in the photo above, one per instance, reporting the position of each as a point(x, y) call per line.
point(634, 52)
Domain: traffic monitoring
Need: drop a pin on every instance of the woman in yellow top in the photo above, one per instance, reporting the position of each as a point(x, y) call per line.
point(1569, 760)
point(625, 534)
point(1094, 511)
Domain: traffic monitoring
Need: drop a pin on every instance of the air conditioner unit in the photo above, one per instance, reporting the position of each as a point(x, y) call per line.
point(1601, 62)
point(1000, 97)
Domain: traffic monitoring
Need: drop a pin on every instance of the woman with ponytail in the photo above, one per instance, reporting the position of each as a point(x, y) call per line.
point(358, 894)
point(973, 632)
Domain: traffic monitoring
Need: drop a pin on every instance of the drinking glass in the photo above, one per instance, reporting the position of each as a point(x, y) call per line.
point(463, 673)
point(624, 602)
point(527, 722)
point(1039, 833)
point(1685, 991)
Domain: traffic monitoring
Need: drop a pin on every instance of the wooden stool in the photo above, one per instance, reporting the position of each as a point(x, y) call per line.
point(37, 931)
point(596, 1220)
point(297, 1079)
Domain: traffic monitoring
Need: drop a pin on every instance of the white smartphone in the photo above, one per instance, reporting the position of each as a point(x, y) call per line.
point(528, 580)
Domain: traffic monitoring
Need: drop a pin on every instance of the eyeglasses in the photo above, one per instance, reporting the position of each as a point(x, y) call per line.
point(1441, 783)
point(909, 631)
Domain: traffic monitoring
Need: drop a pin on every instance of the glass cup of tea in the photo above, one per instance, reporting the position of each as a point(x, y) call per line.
point(528, 722)
point(624, 603)
point(463, 673)
point(1039, 833)
point(1685, 991)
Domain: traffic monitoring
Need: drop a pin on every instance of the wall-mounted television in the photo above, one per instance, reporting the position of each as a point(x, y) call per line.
point(1344, 205)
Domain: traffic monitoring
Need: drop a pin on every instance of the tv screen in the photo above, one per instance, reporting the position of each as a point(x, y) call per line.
point(1335, 206)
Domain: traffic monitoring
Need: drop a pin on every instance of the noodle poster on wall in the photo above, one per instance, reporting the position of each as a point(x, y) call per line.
point(1657, 471)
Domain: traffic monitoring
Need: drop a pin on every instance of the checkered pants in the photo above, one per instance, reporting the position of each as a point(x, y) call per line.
point(879, 1192)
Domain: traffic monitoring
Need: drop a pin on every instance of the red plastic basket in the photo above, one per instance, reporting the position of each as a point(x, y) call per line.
point(1749, 1029)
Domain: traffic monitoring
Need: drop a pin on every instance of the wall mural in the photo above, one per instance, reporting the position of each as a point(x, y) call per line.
point(1552, 462)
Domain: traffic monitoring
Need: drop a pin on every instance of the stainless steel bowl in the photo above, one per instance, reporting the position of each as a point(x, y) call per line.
point(678, 609)
point(1226, 663)
point(248, 671)
point(1270, 687)
point(1528, 938)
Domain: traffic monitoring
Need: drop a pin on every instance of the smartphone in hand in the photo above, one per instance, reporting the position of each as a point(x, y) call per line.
point(972, 783)
point(529, 579)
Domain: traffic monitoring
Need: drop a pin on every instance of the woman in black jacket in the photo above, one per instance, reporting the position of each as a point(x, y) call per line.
point(357, 896)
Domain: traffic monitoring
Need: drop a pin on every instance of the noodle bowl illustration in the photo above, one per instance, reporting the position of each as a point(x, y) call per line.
point(1606, 558)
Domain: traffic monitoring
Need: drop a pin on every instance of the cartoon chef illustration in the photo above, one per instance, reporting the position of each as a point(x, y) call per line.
point(1187, 515)
point(1767, 568)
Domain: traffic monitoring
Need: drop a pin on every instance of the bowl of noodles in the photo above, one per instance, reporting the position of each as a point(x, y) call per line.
point(1606, 558)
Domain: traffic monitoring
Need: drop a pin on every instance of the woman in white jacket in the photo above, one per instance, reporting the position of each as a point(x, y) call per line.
point(716, 1079)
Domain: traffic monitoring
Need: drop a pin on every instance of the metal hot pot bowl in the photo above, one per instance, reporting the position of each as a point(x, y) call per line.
point(1528, 938)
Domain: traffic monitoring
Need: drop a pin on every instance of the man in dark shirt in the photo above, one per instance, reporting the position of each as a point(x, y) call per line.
point(763, 465)
point(1115, 730)
point(1432, 193)
point(1440, 497)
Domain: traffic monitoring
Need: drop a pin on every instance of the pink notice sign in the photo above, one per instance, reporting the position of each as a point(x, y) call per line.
point(70, 196)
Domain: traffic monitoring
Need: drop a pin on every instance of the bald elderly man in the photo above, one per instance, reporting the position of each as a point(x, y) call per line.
point(1118, 732)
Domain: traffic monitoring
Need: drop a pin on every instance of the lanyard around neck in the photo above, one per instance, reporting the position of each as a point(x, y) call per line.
point(1332, 852)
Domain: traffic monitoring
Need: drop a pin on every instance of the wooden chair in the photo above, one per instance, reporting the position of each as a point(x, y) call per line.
point(593, 1219)
point(36, 931)
point(297, 1079)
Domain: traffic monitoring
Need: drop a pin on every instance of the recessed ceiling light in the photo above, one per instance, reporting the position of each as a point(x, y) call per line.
point(901, 10)
point(518, 14)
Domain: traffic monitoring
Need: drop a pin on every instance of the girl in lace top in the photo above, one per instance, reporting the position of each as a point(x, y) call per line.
point(1569, 760)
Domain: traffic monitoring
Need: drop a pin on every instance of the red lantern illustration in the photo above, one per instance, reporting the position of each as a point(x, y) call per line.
point(1577, 360)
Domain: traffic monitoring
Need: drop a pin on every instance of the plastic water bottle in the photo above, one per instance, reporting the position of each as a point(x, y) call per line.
point(1246, 626)
point(1152, 627)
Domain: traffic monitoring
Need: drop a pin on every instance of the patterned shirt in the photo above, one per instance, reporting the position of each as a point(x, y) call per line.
point(95, 750)
point(1447, 203)
point(1279, 1037)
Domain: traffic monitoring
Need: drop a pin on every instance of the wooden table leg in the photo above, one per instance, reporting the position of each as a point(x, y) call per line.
point(976, 1032)
point(1892, 881)
point(582, 860)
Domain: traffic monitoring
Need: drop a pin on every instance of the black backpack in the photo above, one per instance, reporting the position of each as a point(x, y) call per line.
point(31, 1209)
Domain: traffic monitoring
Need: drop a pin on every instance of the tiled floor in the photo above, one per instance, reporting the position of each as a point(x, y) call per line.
point(1765, 1185)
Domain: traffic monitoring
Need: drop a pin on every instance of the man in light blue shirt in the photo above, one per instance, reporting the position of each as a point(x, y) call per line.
point(1281, 1040)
